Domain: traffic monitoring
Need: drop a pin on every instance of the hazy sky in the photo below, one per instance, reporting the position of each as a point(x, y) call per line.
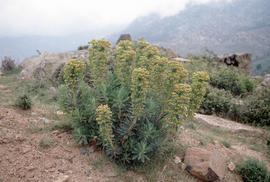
point(62, 17)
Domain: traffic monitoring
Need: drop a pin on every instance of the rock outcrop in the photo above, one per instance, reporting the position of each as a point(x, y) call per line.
point(205, 164)
point(266, 81)
point(124, 37)
point(49, 65)
point(241, 61)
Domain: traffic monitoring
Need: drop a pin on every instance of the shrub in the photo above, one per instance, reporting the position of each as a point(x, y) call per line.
point(232, 80)
point(257, 108)
point(136, 101)
point(8, 64)
point(24, 102)
point(253, 170)
point(216, 101)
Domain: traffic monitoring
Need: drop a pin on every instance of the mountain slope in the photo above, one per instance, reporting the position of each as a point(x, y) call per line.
point(238, 26)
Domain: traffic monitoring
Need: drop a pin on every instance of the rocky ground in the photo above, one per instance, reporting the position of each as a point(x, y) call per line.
point(33, 149)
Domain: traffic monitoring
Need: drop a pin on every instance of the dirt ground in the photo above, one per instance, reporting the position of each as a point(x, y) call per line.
point(31, 149)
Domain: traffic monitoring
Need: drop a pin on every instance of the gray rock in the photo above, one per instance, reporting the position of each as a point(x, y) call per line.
point(91, 149)
point(83, 151)
point(44, 120)
point(124, 37)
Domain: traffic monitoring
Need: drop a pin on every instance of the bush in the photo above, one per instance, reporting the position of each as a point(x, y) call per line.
point(232, 80)
point(136, 101)
point(24, 102)
point(216, 101)
point(8, 64)
point(257, 108)
point(254, 171)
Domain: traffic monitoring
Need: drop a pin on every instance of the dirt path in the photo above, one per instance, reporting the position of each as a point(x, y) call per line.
point(225, 123)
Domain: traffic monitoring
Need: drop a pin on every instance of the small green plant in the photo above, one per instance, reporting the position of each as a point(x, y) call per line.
point(226, 144)
point(45, 143)
point(24, 102)
point(253, 170)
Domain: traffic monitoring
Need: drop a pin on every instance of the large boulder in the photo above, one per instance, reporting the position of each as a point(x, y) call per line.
point(47, 66)
point(124, 37)
point(205, 164)
point(241, 61)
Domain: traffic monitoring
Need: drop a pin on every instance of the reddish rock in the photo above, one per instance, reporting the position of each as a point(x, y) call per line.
point(207, 165)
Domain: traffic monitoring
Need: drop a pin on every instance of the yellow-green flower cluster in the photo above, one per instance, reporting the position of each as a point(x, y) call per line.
point(199, 82)
point(178, 107)
point(73, 72)
point(99, 59)
point(158, 74)
point(176, 73)
point(105, 123)
point(144, 53)
point(139, 89)
point(124, 60)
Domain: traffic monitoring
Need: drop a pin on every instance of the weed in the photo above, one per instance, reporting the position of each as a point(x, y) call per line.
point(226, 144)
point(45, 143)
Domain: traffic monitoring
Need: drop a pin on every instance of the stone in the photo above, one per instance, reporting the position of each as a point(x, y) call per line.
point(266, 81)
point(49, 65)
point(63, 178)
point(124, 37)
point(44, 120)
point(177, 160)
point(91, 149)
point(205, 164)
point(60, 113)
point(241, 61)
point(231, 166)
point(83, 151)
point(26, 149)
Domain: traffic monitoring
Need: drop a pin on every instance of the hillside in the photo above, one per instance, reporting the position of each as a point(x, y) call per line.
point(239, 26)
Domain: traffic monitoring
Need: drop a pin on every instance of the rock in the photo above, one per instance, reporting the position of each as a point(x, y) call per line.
point(63, 178)
point(49, 65)
point(44, 120)
point(124, 37)
point(207, 165)
point(91, 149)
point(26, 149)
point(83, 151)
point(168, 52)
point(266, 81)
point(61, 171)
point(177, 160)
point(231, 166)
point(241, 61)
point(182, 59)
point(60, 113)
